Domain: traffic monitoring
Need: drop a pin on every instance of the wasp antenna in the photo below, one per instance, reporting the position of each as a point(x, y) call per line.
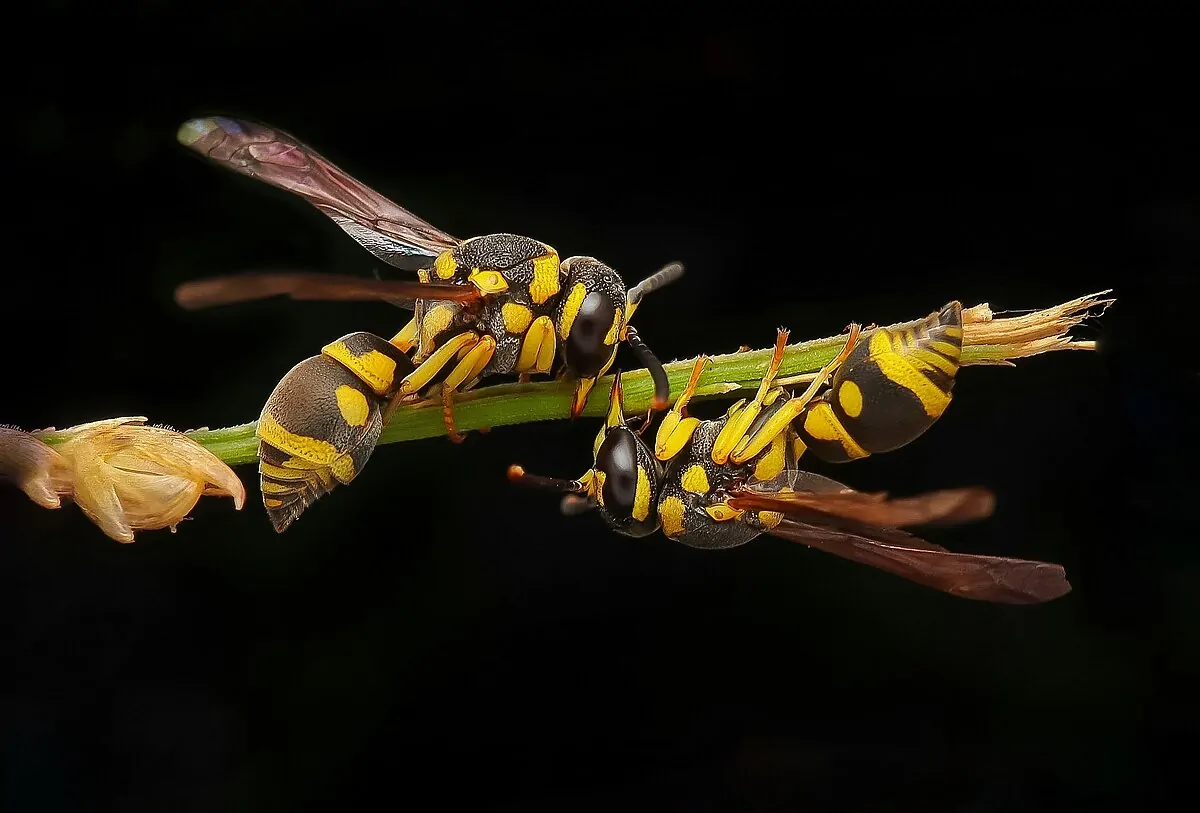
point(517, 474)
point(664, 276)
point(658, 374)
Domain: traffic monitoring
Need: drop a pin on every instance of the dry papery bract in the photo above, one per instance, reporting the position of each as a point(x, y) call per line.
point(124, 474)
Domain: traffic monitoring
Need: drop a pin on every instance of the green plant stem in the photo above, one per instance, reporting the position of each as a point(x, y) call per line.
point(728, 376)
point(508, 404)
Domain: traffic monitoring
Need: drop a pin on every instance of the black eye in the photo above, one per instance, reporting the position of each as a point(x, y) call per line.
point(617, 459)
point(585, 351)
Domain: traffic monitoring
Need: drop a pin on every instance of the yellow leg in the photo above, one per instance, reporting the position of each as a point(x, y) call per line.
point(535, 356)
point(407, 336)
point(751, 445)
point(737, 425)
point(676, 428)
point(470, 364)
point(419, 378)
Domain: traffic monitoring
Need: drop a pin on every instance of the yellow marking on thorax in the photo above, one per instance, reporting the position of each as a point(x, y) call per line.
point(271, 502)
point(695, 480)
point(600, 478)
point(437, 319)
point(614, 331)
point(641, 496)
point(850, 398)
point(545, 278)
point(571, 309)
point(822, 424)
point(771, 464)
point(445, 266)
point(423, 274)
point(375, 369)
point(899, 370)
point(308, 449)
point(670, 513)
point(488, 282)
point(516, 317)
point(353, 405)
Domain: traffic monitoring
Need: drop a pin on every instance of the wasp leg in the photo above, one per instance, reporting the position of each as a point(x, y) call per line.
point(738, 424)
point(407, 337)
point(676, 428)
point(470, 364)
point(537, 347)
point(749, 445)
point(416, 381)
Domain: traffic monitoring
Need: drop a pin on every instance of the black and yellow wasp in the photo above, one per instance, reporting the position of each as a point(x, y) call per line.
point(721, 483)
point(495, 304)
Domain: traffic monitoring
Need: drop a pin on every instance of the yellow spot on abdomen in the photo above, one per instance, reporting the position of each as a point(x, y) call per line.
point(670, 513)
point(353, 405)
point(444, 266)
point(571, 310)
point(850, 398)
point(516, 317)
point(641, 496)
point(545, 278)
point(695, 480)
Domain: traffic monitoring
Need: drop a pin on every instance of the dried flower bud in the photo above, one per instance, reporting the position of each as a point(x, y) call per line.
point(33, 467)
point(126, 476)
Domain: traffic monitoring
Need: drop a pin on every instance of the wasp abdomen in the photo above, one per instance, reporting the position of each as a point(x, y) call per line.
point(322, 421)
point(894, 385)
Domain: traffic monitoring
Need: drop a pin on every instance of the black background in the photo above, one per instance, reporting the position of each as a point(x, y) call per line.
point(432, 632)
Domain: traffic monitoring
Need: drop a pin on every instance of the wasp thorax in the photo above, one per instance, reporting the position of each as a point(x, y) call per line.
point(627, 481)
point(591, 315)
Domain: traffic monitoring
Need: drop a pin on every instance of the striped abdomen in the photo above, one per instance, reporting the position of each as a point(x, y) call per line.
point(322, 421)
point(894, 385)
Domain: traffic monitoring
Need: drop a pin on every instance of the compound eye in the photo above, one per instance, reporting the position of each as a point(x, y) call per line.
point(585, 351)
point(617, 458)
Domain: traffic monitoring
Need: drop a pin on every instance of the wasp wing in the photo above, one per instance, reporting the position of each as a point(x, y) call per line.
point(864, 527)
point(390, 232)
point(803, 492)
point(983, 578)
point(225, 290)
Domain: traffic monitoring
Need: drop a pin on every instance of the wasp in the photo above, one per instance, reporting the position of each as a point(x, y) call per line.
point(716, 484)
point(488, 305)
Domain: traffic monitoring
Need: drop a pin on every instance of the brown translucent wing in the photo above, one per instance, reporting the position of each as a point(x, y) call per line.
point(225, 290)
point(982, 578)
point(390, 232)
point(945, 507)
